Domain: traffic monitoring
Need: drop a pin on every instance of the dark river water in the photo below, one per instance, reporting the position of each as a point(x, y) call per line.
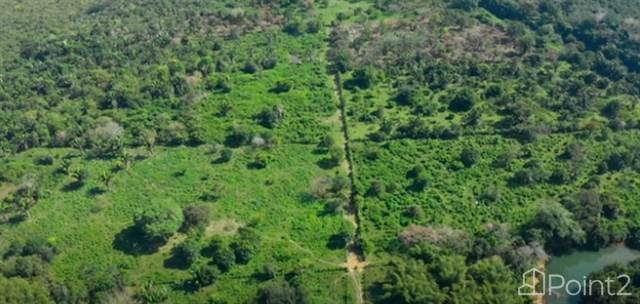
point(578, 265)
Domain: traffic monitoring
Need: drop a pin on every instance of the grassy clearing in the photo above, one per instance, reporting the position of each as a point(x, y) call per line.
point(295, 231)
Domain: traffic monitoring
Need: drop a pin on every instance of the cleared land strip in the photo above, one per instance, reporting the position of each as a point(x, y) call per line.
point(356, 262)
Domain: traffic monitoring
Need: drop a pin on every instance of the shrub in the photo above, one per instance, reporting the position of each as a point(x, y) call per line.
point(326, 142)
point(175, 133)
point(151, 293)
point(106, 138)
point(618, 161)
point(243, 250)
point(490, 195)
point(45, 250)
point(335, 204)
point(376, 188)
point(532, 173)
point(574, 152)
point(27, 267)
point(238, 136)
point(271, 117)
point(250, 67)
point(313, 26)
point(293, 27)
point(281, 87)
point(222, 256)
point(259, 162)
point(157, 225)
point(79, 176)
point(612, 109)
point(195, 216)
point(205, 275)
point(326, 187)
point(466, 5)
point(504, 160)
point(416, 171)
point(226, 155)
point(45, 160)
point(414, 212)
point(269, 63)
point(469, 157)
point(280, 292)
point(336, 155)
point(406, 96)
point(633, 240)
point(18, 290)
point(219, 85)
point(560, 176)
point(363, 78)
point(557, 228)
point(462, 100)
point(420, 183)
point(268, 272)
point(26, 196)
point(444, 237)
point(186, 252)
point(339, 183)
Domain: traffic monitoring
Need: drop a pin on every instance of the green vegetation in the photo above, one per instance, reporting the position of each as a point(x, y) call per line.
point(311, 151)
point(485, 129)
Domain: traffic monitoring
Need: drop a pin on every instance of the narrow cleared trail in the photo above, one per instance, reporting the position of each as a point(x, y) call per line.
point(355, 263)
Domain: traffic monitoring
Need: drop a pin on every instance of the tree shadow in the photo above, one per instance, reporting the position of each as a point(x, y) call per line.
point(261, 277)
point(307, 198)
point(319, 151)
point(412, 188)
point(180, 173)
point(187, 286)
point(207, 251)
point(219, 160)
point(337, 241)
point(131, 242)
point(95, 191)
point(72, 186)
point(376, 292)
point(233, 141)
point(175, 262)
point(140, 157)
point(326, 163)
point(209, 196)
point(328, 210)
point(280, 89)
point(256, 165)
point(13, 218)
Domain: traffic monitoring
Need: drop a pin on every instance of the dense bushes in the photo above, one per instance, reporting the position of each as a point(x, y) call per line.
point(462, 101)
point(556, 228)
point(415, 282)
point(619, 280)
point(157, 225)
point(19, 290)
point(281, 292)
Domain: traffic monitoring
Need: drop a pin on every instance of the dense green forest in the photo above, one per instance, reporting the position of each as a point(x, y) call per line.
point(327, 151)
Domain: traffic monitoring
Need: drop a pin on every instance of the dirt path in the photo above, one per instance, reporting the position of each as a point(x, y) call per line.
point(355, 263)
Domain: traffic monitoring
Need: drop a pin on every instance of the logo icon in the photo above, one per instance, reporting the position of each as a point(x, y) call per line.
point(533, 283)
